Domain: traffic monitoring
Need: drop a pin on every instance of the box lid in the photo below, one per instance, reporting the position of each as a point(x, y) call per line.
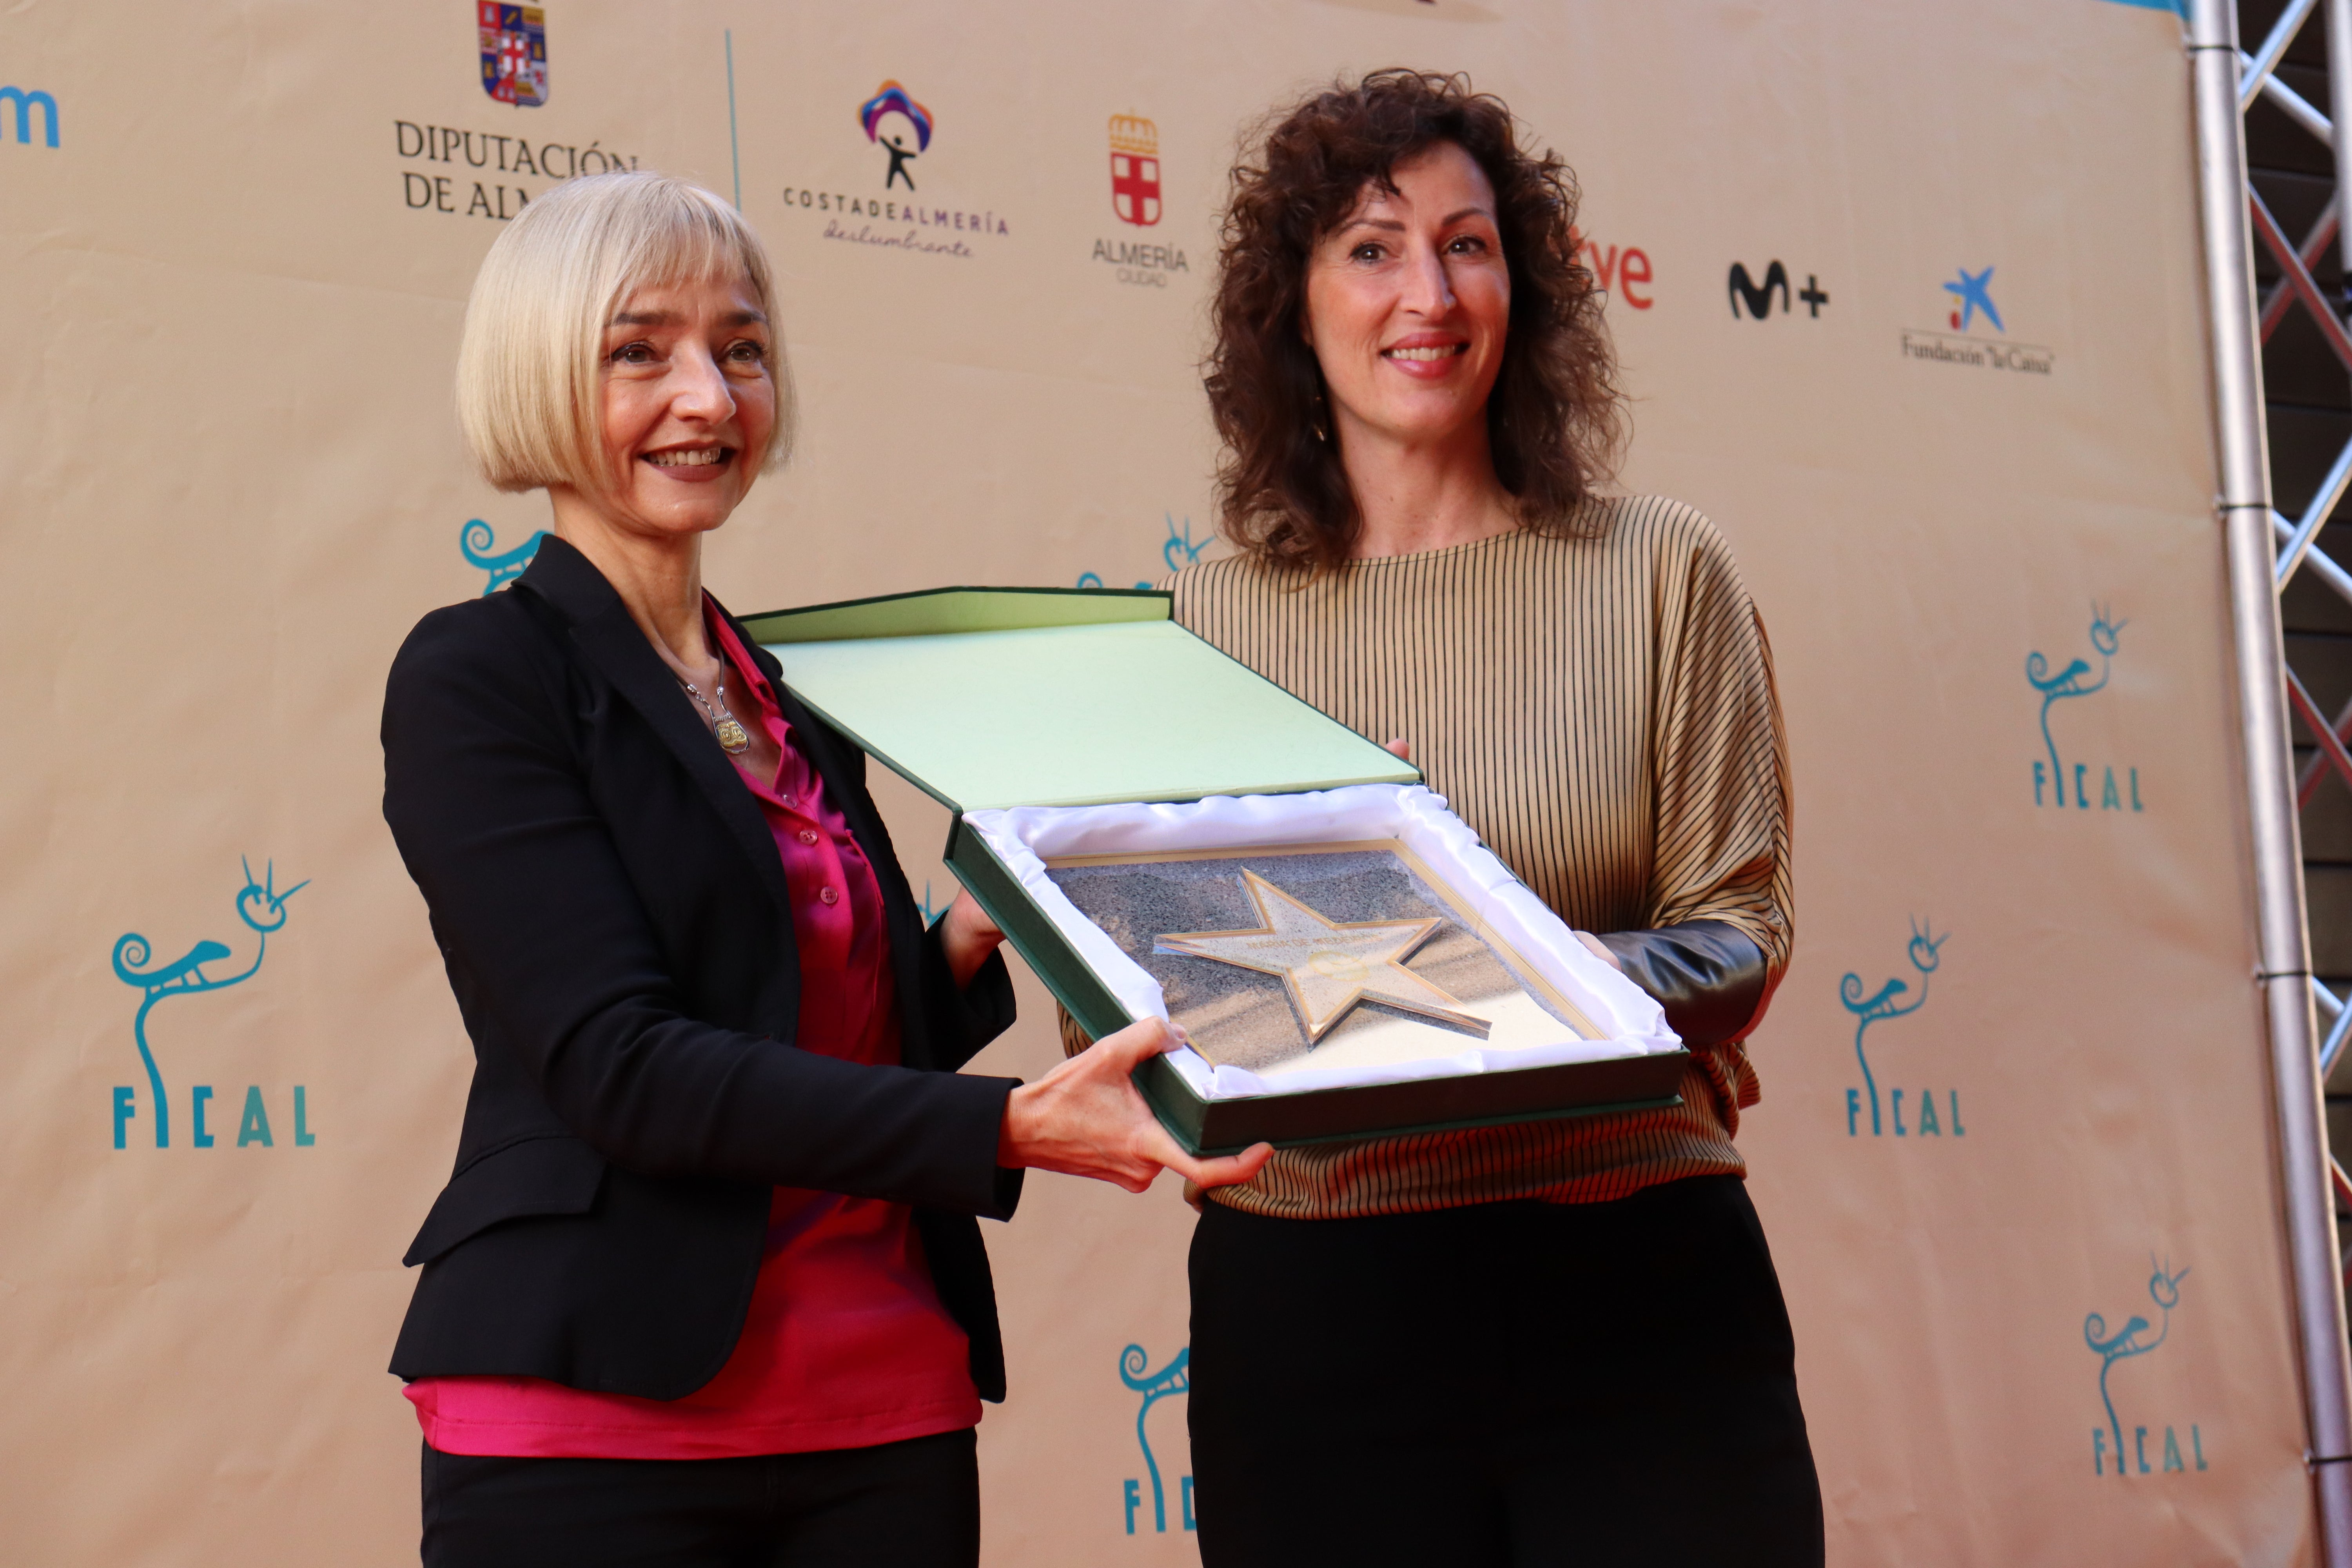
point(1001, 697)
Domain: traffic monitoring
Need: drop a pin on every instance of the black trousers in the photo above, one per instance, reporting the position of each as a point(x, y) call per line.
point(914, 1504)
point(1605, 1385)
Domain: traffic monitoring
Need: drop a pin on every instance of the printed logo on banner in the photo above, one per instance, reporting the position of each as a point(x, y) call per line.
point(263, 909)
point(1924, 952)
point(1135, 170)
point(2123, 1345)
point(1622, 273)
point(1757, 297)
point(475, 541)
point(1178, 552)
point(514, 53)
point(1135, 199)
point(895, 121)
point(23, 102)
point(1976, 338)
point(1174, 1378)
point(490, 152)
point(2052, 781)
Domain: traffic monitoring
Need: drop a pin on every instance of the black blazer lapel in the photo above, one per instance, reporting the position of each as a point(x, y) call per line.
point(603, 631)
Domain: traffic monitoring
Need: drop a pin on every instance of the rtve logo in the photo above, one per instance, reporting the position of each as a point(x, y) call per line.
point(25, 102)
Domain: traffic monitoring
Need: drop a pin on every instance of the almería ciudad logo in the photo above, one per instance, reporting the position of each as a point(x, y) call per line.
point(262, 906)
point(1135, 199)
point(1174, 1378)
point(1973, 335)
point(2115, 1346)
point(2057, 782)
point(892, 216)
point(1897, 998)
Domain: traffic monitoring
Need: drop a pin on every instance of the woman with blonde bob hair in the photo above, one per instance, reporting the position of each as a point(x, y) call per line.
point(706, 1285)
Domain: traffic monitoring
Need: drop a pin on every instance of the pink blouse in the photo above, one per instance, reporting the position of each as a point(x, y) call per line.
point(847, 1345)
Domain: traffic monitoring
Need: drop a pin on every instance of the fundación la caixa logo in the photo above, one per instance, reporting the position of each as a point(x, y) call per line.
point(1978, 338)
point(1897, 998)
point(1136, 200)
point(262, 906)
point(24, 100)
point(901, 128)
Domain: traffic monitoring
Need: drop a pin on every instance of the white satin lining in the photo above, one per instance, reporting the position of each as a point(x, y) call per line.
point(1024, 837)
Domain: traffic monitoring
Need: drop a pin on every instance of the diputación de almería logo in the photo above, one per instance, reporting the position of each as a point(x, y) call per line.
point(2113, 1346)
point(262, 906)
point(2062, 788)
point(1174, 1378)
point(1889, 1001)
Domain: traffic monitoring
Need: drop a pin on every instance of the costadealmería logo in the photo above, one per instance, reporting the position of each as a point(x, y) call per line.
point(262, 906)
point(514, 53)
point(1978, 338)
point(2115, 1345)
point(1177, 551)
point(891, 216)
point(1135, 199)
point(1924, 952)
point(2053, 783)
point(1174, 1378)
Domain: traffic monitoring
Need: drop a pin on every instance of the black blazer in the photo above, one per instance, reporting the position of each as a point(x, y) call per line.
point(612, 912)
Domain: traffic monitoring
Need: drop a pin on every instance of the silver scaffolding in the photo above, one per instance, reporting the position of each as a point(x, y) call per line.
point(2266, 551)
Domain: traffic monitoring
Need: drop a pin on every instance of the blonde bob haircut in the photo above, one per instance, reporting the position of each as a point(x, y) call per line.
point(530, 365)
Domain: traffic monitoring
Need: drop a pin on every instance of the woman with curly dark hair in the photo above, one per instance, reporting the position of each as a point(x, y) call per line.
point(1557, 1341)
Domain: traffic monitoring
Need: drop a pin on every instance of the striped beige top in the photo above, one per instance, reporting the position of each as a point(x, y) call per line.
point(1601, 712)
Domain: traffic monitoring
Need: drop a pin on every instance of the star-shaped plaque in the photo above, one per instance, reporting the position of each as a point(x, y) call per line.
point(1328, 966)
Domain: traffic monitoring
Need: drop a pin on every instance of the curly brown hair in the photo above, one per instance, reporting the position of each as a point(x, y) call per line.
point(1555, 419)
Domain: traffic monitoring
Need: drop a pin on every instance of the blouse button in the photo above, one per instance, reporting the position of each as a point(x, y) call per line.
point(828, 896)
point(808, 835)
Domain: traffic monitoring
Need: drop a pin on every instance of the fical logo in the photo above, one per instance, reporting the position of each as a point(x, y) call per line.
point(514, 53)
point(262, 906)
point(2123, 1345)
point(476, 540)
point(2055, 784)
point(1757, 297)
point(1925, 950)
point(1178, 550)
point(1135, 170)
point(1176, 1377)
point(25, 102)
point(889, 119)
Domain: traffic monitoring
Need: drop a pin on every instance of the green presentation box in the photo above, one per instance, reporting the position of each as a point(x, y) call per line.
point(997, 698)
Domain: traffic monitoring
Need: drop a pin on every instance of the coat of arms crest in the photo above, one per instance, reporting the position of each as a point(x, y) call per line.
point(514, 53)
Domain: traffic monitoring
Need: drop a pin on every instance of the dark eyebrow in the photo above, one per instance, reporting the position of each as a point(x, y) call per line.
point(1389, 224)
point(1468, 212)
point(746, 319)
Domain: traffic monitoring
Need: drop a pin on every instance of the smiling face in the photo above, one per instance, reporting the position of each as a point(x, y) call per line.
point(1408, 304)
point(688, 402)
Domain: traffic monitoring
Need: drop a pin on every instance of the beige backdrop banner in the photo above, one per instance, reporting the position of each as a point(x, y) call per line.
point(1908, 295)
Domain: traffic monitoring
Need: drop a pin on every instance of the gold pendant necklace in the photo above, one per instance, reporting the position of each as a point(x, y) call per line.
point(733, 739)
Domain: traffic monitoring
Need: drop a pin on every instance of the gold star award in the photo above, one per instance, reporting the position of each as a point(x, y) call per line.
point(1328, 966)
point(1298, 956)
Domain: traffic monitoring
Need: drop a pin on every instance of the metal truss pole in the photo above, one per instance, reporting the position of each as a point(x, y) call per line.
point(2284, 974)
